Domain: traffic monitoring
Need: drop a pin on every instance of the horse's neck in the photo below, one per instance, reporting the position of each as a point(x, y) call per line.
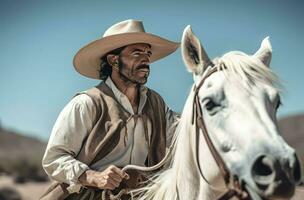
point(190, 183)
point(201, 190)
point(208, 193)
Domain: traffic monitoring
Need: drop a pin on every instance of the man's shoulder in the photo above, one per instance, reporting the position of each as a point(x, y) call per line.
point(94, 92)
point(82, 99)
point(81, 103)
point(152, 94)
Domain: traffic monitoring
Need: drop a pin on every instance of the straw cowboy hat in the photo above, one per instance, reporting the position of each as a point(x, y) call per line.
point(87, 60)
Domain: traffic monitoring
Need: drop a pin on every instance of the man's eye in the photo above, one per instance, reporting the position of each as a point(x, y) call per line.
point(136, 53)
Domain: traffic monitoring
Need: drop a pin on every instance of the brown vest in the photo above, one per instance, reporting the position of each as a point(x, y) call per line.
point(110, 119)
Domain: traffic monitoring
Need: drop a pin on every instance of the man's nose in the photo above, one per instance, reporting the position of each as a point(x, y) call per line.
point(146, 59)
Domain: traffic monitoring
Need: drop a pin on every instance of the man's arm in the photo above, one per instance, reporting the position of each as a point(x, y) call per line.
point(71, 128)
point(110, 178)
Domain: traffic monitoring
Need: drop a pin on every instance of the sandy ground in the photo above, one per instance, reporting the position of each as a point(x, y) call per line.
point(28, 191)
point(299, 194)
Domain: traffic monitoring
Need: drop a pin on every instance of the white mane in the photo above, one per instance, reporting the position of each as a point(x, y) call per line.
point(164, 183)
point(247, 70)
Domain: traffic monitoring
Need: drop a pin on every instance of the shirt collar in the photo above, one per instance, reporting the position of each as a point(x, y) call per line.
point(122, 98)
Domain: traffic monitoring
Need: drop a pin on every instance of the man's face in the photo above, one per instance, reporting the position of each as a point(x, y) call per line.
point(134, 61)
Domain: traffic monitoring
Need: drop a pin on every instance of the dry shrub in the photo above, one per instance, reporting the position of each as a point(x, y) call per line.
point(23, 169)
point(7, 193)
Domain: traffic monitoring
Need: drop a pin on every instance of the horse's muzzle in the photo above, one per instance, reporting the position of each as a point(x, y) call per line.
point(276, 178)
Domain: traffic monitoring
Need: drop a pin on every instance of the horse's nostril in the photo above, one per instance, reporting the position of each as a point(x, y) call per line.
point(275, 178)
point(297, 174)
point(263, 172)
point(263, 166)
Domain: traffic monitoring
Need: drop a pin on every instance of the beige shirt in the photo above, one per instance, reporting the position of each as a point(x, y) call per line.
point(74, 123)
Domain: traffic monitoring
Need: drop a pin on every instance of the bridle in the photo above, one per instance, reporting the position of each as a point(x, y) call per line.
point(235, 188)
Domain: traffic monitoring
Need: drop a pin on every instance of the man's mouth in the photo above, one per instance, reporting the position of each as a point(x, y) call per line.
point(143, 69)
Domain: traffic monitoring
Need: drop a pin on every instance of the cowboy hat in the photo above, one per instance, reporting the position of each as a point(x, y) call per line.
point(87, 60)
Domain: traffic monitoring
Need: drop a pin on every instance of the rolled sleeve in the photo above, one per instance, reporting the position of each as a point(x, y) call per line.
point(71, 128)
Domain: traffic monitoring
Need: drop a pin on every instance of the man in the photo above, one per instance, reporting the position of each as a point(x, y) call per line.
point(116, 123)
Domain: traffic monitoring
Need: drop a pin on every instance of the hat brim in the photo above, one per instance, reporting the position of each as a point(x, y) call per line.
point(87, 60)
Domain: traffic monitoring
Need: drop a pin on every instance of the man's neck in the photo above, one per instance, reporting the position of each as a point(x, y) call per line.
point(129, 89)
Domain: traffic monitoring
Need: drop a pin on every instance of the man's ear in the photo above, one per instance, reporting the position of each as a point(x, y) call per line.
point(112, 60)
point(194, 55)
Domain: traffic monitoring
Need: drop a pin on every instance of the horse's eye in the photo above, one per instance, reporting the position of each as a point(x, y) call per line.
point(210, 105)
point(279, 103)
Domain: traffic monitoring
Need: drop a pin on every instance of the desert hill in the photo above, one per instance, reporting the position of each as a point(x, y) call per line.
point(21, 156)
point(292, 128)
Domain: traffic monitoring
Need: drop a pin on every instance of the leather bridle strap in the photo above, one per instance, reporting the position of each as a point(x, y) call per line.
point(234, 188)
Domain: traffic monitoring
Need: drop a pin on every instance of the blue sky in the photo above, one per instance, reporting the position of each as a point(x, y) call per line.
point(38, 40)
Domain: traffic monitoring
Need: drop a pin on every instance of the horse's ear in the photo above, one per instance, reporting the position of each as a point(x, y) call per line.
point(194, 56)
point(265, 52)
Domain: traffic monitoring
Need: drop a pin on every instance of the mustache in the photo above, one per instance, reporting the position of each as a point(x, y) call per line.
point(144, 66)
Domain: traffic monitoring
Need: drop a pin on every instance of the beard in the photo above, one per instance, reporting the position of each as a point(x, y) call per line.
point(137, 75)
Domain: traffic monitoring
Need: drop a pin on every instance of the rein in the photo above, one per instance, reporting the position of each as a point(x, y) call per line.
point(235, 188)
point(139, 174)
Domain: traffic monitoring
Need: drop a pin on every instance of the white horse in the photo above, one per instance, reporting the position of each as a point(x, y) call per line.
point(239, 103)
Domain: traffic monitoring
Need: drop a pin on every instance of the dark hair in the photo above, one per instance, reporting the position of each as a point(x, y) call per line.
point(105, 67)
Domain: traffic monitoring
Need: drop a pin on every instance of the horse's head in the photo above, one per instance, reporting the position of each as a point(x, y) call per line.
point(239, 103)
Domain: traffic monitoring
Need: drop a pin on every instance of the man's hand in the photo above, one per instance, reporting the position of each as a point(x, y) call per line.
point(110, 178)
